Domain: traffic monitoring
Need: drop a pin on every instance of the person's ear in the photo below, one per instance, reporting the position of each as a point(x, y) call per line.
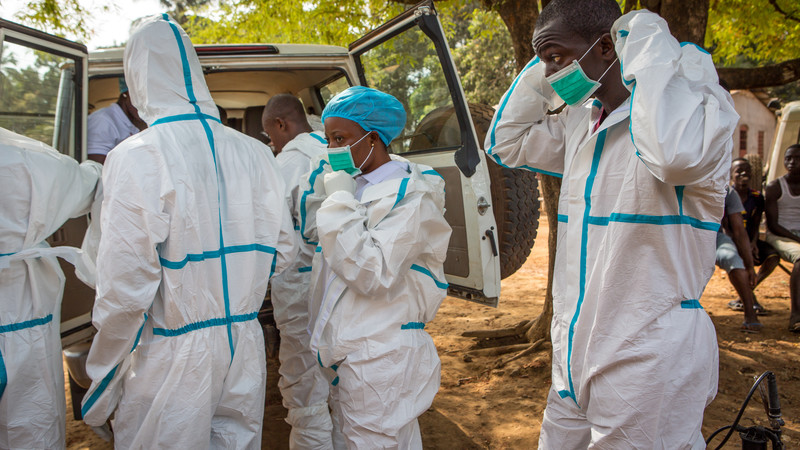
point(608, 51)
point(374, 139)
point(281, 123)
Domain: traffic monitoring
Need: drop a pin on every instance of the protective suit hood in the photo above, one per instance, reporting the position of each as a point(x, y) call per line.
point(157, 89)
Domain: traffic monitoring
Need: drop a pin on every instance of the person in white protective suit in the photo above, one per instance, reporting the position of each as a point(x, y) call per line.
point(377, 274)
point(42, 189)
point(193, 226)
point(303, 387)
point(644, 167)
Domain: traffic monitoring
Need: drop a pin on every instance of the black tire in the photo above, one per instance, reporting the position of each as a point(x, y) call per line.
point(515, 193)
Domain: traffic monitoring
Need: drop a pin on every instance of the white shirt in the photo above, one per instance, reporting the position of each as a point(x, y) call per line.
point(389, 170)
point(107, 127)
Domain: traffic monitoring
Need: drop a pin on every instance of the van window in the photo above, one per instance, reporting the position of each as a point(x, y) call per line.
point(408, 67)
point(328, 91)
point(29, 94)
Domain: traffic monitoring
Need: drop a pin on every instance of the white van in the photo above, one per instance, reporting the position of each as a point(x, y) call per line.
point(787, 132)
point(493, 211)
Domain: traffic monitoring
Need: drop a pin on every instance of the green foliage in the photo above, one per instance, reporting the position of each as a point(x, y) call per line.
point(479, 41)
point(29, 83)
point(178, 9)
point(59, 17)
point(405, 67)
point(308, 22)
point(482, 49)
point(753, 29)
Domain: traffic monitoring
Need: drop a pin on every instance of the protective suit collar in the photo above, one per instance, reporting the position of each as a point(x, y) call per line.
point(157, 89)
point(622, 112)
point(416, 178)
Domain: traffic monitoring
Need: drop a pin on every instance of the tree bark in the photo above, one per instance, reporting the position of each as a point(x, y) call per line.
point(687, 19)
point(551, 191)
point(759, 77)
point(520, 18)
point(788, 14)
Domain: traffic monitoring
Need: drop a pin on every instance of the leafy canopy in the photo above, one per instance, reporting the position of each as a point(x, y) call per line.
point(328, 22)
point(740, 33)
point(755, 30)
point(65, 18)
point(479, 41)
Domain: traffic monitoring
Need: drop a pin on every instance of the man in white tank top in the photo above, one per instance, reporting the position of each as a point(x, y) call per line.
point(782, 209)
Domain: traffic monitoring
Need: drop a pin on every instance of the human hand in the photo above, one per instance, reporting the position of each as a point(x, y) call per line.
point(751, 277)
point(339, 181)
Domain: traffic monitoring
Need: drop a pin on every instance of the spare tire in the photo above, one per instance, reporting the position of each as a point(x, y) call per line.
point(515, 193)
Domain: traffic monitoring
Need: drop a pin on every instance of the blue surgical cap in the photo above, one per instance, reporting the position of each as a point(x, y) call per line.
point(123, 87)
point(371, 109)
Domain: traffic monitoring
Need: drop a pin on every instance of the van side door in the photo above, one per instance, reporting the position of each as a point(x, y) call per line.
point(43, 81)
point(409, 58)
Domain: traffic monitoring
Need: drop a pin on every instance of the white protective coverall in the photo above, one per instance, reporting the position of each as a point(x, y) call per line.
point(303, 386)
point(377, 278)
point(42, 189)
point(193, 226)
point(634, 353)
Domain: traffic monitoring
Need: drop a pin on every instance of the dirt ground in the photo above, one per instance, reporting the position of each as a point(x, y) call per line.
point(478, 407)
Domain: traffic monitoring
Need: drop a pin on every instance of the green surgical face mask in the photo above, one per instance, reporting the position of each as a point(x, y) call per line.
point(572, 84)
point(341, 158)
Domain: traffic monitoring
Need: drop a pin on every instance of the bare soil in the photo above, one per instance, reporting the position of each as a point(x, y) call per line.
point(478, 407)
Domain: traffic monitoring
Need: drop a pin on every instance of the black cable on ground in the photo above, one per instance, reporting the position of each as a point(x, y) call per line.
point(735, 423)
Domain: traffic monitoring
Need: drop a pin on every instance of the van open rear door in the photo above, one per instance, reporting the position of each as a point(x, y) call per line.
point(44, 97)
point(408, 57)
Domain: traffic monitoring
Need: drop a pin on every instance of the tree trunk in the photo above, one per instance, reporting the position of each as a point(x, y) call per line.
point(520, 18)
point(551, 190)
point(759, 77)
point(687, 19)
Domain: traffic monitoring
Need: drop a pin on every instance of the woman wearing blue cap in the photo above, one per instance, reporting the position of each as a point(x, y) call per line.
point(378, 271)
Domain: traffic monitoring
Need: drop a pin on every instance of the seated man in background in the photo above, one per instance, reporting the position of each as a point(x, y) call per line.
point(782, 206)
point(111, 125)
point(764, 255)
point(734, 255)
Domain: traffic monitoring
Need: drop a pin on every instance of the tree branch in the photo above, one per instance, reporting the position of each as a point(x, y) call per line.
point(760, 77)
point(788, 15)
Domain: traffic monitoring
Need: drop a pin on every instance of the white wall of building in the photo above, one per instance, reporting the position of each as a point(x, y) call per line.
point(756, 127)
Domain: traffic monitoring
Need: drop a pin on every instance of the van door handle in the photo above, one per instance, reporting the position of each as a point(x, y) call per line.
point(490, 235)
